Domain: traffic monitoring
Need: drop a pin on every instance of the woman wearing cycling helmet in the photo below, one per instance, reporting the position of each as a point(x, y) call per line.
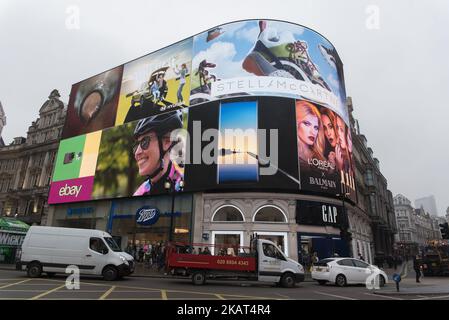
point(152, 152)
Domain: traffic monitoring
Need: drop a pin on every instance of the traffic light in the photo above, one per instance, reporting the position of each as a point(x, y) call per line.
point(444, 230)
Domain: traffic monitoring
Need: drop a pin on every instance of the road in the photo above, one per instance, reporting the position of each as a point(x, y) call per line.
point(15, 285)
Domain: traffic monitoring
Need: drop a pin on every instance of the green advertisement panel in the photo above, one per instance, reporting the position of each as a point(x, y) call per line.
point(68, 160)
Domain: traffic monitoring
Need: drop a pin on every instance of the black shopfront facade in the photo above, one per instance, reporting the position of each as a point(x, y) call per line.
point(322, 228)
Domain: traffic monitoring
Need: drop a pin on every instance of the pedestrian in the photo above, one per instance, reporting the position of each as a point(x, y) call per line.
point(361, 257)
point(395, 262)
point(417, 267)
point(315, 258)
point(141, 253)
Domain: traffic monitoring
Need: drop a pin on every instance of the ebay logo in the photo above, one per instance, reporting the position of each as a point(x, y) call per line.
point(72, 190)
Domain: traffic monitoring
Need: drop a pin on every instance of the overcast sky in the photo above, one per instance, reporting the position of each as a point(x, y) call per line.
point(395, 55)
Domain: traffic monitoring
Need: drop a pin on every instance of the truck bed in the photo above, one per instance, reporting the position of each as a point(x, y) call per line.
point(210, 262)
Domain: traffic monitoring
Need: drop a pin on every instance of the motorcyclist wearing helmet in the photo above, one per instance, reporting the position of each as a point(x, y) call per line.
point(152, 152)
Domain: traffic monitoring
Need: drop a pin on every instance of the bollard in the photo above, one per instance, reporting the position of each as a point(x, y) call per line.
point(397, 279)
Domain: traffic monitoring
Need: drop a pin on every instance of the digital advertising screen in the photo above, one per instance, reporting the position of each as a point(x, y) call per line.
point(250, 105)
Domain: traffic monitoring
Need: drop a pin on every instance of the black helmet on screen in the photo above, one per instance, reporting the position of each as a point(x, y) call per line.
point(160, 124)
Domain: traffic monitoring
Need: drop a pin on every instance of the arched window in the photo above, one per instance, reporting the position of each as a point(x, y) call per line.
point(269, 213)
point(228, 213)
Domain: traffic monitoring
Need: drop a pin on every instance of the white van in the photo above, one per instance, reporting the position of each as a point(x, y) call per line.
point(52, 249)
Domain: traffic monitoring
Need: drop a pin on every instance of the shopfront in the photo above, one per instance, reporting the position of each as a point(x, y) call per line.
point(119, 217)
point(12, 234)
point(319, 228)
point(144, 222)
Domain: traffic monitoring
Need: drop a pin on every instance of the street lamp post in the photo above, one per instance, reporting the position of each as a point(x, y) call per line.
point(171, 188)
point(343, 197)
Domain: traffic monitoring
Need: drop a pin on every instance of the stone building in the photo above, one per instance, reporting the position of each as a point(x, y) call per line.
point(26, 165)
point(373, 221)
point(2, 123)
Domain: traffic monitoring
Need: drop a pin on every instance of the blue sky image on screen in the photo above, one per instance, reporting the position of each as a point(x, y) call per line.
point(237, 151)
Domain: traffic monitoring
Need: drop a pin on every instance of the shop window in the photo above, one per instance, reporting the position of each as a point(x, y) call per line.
point(269, 214)
point(226, 242)
point(228, 214)
point(278, 238)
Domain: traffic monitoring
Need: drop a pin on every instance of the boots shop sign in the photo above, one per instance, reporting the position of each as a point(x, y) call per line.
point(147, 216)
point(320, 213)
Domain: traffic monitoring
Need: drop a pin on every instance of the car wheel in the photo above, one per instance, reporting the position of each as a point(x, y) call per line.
point(287, 280)
point(340, 280)
point(34, 270)
point(110, 273)
point(381, 281)
point(198, 278)
point(322, 282)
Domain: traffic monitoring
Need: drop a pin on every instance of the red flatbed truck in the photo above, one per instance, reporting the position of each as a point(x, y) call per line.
point(262, 261)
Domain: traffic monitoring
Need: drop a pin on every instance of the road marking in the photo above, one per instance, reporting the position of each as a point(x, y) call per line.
point(280, 295)
point(47, 292)
point(146, 289)
point(381, 295)
point(15, 290)
point(15, 283)
point(67, 291)
point(334, 295)
point(104, 296)
point(220, 297)
point(430, 298)
point(164, 294)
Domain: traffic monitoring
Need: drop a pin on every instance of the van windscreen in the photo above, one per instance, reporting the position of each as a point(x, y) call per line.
point(112, 244)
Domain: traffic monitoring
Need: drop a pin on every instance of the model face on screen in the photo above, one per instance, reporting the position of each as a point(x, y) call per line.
point(308, 129)
point(329, 130)
point(341, 132)
point(147, 158)
point(349, 140)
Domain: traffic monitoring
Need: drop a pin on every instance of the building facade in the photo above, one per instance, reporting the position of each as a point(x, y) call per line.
point(416, 227)
point(26, 165)
point(2, 123)
point(406, 239)
point(312, 203)
point(375, 214)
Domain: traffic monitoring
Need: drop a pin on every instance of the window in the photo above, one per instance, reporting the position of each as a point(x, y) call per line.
point(228, 214)
point(278, 238)
point(269, 214)
point(369, 180)
point(223, 240)
point(345, 262)
point(97, 245)
point(112, 244)
point(360, 264)
point(270, 251)
point(372, 200)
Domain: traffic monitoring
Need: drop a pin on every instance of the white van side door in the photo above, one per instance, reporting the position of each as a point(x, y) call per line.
point(96, 256)
point(269, 262)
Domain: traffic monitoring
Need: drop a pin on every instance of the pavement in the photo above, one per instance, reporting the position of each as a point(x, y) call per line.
point(408, 286)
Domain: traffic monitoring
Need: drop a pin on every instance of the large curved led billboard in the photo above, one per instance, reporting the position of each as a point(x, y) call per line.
point(250, 105)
